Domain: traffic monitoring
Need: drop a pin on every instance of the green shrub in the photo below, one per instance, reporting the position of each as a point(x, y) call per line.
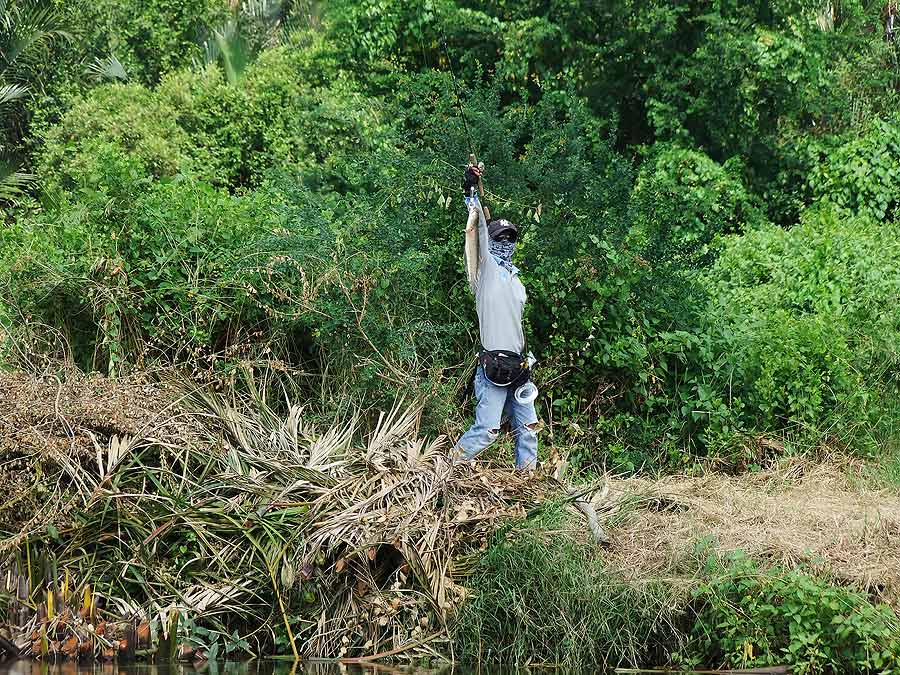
point(861, 173)
point(807, 316)
point(150, 37)
point(128, 115)
point(795, 330)
point(682, 201)
point(355, 285)
point(749, 618)
point(410, 35)
point(285, 114)
point(196, 123)
point(128, 265)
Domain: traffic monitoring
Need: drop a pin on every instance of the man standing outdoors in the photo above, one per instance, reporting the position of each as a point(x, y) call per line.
point(502, 367)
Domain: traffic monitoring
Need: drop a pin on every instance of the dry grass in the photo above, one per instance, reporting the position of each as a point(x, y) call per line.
point(49, 426)
point(796, 513)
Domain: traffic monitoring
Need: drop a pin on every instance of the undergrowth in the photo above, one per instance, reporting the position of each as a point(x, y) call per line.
point(750, 617)
point(539, 596)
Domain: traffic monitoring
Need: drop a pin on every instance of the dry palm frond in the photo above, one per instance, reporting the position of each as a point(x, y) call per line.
point(210, 505)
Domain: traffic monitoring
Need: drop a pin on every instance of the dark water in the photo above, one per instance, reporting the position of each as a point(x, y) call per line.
point(27, 667)
point(262, 667)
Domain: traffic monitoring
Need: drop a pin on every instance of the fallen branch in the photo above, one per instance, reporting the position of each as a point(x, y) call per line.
point(10, 648)
point(590, 514)
point(392, 652)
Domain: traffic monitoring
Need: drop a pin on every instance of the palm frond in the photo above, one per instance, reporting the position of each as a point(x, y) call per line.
point(12, 92)
point(13, 181)
point(266, 11)
point(230, 50)
point(226, 48)
point(109, 68)
point(268, 507)
point(31, 24)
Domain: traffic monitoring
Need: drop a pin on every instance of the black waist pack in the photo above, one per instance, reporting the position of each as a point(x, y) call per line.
point(504, 368)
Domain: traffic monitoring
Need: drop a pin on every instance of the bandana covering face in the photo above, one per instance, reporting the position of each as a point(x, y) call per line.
point(503, 252)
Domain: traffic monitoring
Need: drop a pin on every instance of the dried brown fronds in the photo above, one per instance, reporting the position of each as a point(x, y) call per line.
point(221, 508)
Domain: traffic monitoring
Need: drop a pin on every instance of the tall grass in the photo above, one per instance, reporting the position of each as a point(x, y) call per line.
point(539, 596)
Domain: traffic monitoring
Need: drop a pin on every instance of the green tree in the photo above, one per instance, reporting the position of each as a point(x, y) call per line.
point(27, 27)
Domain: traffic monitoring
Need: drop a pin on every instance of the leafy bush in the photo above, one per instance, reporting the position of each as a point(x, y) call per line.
point(284, 114)
point(355, 287)
point(749, 618)
point(411, 34)
point(130, 264)
point(806, 317)
point(150, 37)
point(133, 118)
point(196, 123)
point(778, 342)
point(794, 329)
point(682, 201)
point(862, 173)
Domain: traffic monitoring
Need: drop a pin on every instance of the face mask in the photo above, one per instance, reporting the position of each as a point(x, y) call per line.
point(503, 252)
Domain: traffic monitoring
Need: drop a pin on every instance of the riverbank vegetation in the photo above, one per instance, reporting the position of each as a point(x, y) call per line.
point(708, 194)
point(171, 521)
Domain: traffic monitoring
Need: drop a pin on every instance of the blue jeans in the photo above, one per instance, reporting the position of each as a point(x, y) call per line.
point(493, 402)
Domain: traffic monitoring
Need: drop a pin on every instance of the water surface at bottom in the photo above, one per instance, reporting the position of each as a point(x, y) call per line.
point(257, 667)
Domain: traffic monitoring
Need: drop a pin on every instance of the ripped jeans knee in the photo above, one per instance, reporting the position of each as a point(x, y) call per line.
point(527, 445)
point(476, 439)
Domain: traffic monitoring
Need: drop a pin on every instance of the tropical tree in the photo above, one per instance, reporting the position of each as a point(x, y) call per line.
point(252, 26)
point(27, 28)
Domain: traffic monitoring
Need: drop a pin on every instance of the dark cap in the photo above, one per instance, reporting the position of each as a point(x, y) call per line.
point(500, 226)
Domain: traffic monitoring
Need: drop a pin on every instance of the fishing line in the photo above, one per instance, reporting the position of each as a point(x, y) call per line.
point(456, 88)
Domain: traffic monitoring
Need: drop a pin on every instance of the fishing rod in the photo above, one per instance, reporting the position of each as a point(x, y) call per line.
point(473, 160)
point(457, 90)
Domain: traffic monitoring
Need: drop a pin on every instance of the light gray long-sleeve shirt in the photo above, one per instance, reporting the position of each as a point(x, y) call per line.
point(499, 294)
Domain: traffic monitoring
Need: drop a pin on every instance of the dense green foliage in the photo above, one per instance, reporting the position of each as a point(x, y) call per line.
point(707, 195)
point(540, 597)
point(860, 172)
point(751, 618)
